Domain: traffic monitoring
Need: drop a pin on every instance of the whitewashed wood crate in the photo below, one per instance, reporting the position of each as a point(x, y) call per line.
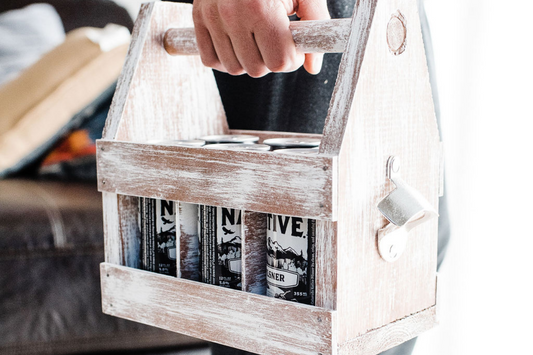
point(381, 107)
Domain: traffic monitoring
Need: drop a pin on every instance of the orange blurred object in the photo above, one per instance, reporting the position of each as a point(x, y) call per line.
point(77, 144)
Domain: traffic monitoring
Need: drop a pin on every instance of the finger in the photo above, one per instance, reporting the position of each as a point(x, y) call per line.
point(207, 50)
point(226, 53)
point(248, 54)
point(313, 10)
point(313, 62)
point(238, 23)
point(276, 45)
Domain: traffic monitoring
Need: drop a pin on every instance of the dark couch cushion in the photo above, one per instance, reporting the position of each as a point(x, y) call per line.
point(51, 245)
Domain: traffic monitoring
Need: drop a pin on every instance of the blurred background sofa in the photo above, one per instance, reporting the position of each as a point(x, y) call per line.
point(51, 236)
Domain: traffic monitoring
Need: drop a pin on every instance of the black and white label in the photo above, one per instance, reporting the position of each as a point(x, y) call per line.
point(220, 240)
point(291, 258)
point(158, 235)
point(165, 221)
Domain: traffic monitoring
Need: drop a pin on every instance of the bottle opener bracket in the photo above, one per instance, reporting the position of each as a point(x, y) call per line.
point(376, 231)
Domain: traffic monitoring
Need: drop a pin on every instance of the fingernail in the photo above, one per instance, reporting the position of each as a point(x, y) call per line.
point(317, 64)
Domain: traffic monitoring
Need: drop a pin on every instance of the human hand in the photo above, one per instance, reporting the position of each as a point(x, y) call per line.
point(253, 36)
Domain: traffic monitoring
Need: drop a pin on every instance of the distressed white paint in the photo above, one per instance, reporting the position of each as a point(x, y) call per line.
point(254, 252)
point(256, 181)
point(325, 268)
point(239, 319)
point(378, 340)
point(349, 70)
point(113, 247)
point(116, 110)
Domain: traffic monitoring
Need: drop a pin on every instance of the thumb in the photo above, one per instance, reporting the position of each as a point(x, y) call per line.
point(313, 10)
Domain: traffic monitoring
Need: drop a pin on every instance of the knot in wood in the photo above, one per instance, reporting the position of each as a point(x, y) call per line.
point(397, 33)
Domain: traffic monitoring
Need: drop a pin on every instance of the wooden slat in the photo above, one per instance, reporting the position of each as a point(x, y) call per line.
point(187, 223)
point(138, 37)
point(122, 236)
point(293, 185)
point(238, 319)
point(347, 77)
point(324, 36)
point(254, 253)
point(130, 234)
point(112, 238)
point(326, 265)
point(395, 333)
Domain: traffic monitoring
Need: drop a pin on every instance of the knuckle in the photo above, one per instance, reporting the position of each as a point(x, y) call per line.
point(257, 71)
point(227, 11)
point(280, 64)
point(257, 6)
point(197, 14)
point(209, 61)
point(258, 74)
point(211, 15)
point(234, 69)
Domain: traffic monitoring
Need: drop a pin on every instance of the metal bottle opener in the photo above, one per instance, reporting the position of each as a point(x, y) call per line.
point(405, 208)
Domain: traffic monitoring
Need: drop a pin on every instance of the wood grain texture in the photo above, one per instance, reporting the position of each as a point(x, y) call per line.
point(239, 319)
point(347, 77)
point(326, 265)
point(130, 234)
point(161, 96)
point(392, 114)
point(139, 34)
point(187, 223)
point(324, 36)
point(112, 238)
point(121, 232)
point(387, 337)
point(254, 253)
point(293, 185)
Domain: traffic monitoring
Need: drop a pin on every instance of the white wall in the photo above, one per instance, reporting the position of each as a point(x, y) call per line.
point(483, 53)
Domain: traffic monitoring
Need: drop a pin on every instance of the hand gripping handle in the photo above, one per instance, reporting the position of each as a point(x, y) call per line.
point(324, 36)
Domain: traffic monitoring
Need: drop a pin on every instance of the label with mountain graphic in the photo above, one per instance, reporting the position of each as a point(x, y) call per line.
point(291, 258)
point(158, 235)
point(220, 246)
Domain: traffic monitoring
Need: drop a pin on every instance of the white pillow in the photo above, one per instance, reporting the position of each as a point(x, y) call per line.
point(25, 35)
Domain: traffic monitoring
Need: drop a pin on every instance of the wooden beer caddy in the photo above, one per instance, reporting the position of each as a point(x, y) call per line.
point(381, 107)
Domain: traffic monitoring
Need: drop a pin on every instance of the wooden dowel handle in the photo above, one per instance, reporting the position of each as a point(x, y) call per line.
point(329, 36)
